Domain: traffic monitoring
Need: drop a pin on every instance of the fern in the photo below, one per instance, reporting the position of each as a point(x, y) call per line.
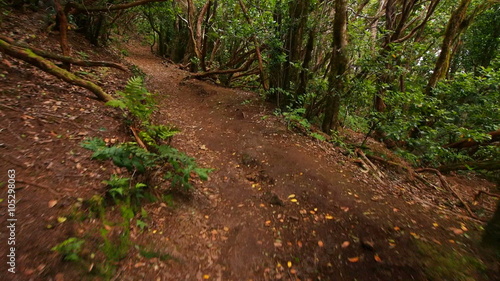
point(127, 155)
point(136, 99)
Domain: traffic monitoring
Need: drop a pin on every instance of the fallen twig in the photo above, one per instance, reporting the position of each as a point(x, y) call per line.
point(40, 186)
point(447, 186)
point(487, 193)
point(367, 163)
point(137, 138)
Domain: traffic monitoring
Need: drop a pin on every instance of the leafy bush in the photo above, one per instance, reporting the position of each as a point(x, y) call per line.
point(135, 158)
point(128, 155)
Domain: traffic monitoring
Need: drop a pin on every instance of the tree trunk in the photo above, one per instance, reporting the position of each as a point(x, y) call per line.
point(63, 32)
point(338, 62)
point(452, 32)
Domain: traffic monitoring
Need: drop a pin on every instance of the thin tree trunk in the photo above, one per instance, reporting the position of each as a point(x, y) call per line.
point(336, 77)
point(63, 32)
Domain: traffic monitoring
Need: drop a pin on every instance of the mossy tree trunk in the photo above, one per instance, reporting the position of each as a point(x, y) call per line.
point(30, 57)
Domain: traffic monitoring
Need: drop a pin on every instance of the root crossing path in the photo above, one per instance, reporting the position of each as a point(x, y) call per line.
point(279, 205)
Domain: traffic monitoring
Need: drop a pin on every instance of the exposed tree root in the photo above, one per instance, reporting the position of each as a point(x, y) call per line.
point(487, 193)
point(450, 188)
point(30, 57)
point(414, 174)
point(64, 59)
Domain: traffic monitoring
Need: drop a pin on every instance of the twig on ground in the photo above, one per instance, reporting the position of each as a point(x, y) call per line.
point(487, 193)
point(137, 138)
point(40, 186)
point(447, 186)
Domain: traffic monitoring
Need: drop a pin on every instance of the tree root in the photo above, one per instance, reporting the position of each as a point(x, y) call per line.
point(414, 174)
point(377, 174)
point(65, 59)
point(447, 186)
point(487, 193)
point(30, 57)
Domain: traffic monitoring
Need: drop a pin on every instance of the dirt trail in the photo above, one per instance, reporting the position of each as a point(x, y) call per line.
point(243, 224)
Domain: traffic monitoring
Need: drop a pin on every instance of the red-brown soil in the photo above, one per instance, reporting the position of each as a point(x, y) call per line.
point(279, 205)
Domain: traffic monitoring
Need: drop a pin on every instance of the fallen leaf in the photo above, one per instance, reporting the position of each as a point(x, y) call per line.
point(52, 203)
point(397, 228)
point(416, 236)
point(206, 276)
point(345, 209)
point(320, 243)
point(293, 271)
point(267, 223)
point(329, 217)
point(463, 227)
point(435, 224)
point(289, 264)
point(299, 243)
point(457, 231)
point(61, 219)
point(293, 200)
point(139, 264)
point(377, 258)
point(346, 244)
point(291, 196)
point(354, 259)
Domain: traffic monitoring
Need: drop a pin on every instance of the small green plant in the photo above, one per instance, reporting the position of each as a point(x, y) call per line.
point(135, 158)
point(70, 248)
point(128, 155)
point(83, 55)
point(153, 134)
point(317, 136)
point(295, 118)
point(136, 99)
point(124, 52)
point(121, 189)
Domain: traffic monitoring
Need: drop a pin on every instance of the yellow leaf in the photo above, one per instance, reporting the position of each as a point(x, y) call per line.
point(329, 217)
point(61, 219)
point(289, 264)
point(291, 196)
point(206, 276)
point(293, 200)
point(354, 259)
point(415, 235)
point(435, 224)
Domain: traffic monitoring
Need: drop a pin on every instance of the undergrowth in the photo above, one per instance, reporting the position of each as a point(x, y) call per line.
point(125, 195)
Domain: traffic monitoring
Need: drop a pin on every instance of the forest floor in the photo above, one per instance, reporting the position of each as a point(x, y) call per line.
point(279, 205)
